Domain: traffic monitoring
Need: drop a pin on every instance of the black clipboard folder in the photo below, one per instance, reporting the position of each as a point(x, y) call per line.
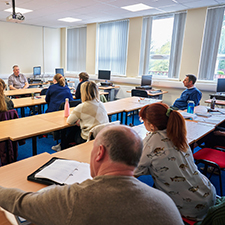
point(45, 181)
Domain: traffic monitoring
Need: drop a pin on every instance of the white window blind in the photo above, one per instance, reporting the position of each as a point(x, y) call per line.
point(209, 57)
point(112, 47)
point(76, 49)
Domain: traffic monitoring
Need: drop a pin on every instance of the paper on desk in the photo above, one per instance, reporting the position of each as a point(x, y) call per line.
point(187, 115)
point(66, 172)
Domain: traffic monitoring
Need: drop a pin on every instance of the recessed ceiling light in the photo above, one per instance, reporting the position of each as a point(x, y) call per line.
point(69, 19)
point(19, 10)
point(137, 7)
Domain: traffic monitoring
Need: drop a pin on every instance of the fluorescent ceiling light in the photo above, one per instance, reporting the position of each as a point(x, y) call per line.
point(69, 19)
point(19, 10)
point(136, 7)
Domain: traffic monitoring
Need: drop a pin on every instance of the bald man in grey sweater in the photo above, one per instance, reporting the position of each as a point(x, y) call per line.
point(114, 196)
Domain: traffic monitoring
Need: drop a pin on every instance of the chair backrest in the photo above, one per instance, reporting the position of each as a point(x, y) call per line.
point(139, 93)
point(8, 115)
point(44, 91)
point(71, 103)
point(95, 130)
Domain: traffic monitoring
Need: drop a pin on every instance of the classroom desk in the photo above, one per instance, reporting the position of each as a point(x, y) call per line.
point(22, 91)
point(28, 102)
point(218, 102)
point(33, 126)
point(110, 90)
point(15, 175)
point(81, 153)
point(19, 171)
point(135, 103)
point(195, 130)
point(22, 128)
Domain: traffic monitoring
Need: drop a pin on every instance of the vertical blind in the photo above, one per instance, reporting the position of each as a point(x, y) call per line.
point(112, 47)
point(76, 49)
point(211, 43)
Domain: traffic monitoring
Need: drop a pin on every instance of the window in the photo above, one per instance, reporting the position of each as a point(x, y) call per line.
point(112, 47)
point(162, 40)
point(213, 53)
point(76, 49)
point(220, 61)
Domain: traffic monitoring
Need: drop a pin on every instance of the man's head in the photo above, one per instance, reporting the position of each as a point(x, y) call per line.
point(83, 76)
point(16, 70)
point(116, 151)
point(189, 80)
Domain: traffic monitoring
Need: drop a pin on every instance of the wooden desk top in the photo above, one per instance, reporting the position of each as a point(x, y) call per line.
point(135, 103)
point(108, 87)
point(28, 101)
point(81, 153)
point(14, 175)
point(26, 127)
point(218, 102)
point(22, 91)
point(195, 130)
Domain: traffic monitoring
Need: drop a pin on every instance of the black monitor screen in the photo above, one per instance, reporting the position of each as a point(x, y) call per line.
point(60, 71)
point(146, 80)
point(221, 85)
point(36, 70)
point(104, 74)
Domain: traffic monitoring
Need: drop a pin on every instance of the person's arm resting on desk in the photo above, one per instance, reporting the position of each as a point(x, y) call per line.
point(33, 206)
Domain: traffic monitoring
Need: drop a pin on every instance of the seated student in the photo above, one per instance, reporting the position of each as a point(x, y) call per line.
point(191, 93)
point(90, 113)
point(5, 102)
point(114, 196)
point(168, 158)
point(57, 93)
point(82, 78)
point(17, 80)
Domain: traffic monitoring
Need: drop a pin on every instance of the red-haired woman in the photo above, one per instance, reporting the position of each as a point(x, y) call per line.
point(168, 158)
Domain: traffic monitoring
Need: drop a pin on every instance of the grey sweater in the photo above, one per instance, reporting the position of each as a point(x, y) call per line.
point(103, 200)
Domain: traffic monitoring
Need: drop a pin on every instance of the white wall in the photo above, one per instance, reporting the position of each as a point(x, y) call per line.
point(28, 46)
point(52, 49)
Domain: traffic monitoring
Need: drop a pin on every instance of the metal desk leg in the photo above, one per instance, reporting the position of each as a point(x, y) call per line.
point(126, 118)
point(63, 138)
point(22, 112)
point(34, 145)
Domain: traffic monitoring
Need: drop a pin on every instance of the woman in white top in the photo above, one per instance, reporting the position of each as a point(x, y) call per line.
point(168, 158)
point(90, 113)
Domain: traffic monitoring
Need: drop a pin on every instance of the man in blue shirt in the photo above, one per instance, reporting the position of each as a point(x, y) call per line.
point(191, 93)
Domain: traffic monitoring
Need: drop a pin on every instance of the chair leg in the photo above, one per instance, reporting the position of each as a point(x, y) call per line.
point(220, 177)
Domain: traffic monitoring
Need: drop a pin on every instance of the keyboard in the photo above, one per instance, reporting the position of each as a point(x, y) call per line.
point(146, 87)
point(220, 93)
point(155, 91)
point(106, 84)
point(34, 81)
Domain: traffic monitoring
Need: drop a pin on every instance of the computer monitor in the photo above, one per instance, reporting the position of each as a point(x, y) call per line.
point(104, 74)
point(220, 85)
point(59, 70)
point(146, 80)
point(36, 71)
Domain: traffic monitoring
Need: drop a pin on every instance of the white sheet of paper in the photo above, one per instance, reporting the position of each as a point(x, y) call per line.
point(60, 170)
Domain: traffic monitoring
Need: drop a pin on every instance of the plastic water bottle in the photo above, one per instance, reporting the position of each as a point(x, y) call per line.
point(191, 106)
point(213, 102)
point(66, 108)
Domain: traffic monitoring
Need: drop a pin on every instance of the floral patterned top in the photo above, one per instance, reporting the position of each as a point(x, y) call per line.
point(175, 173)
